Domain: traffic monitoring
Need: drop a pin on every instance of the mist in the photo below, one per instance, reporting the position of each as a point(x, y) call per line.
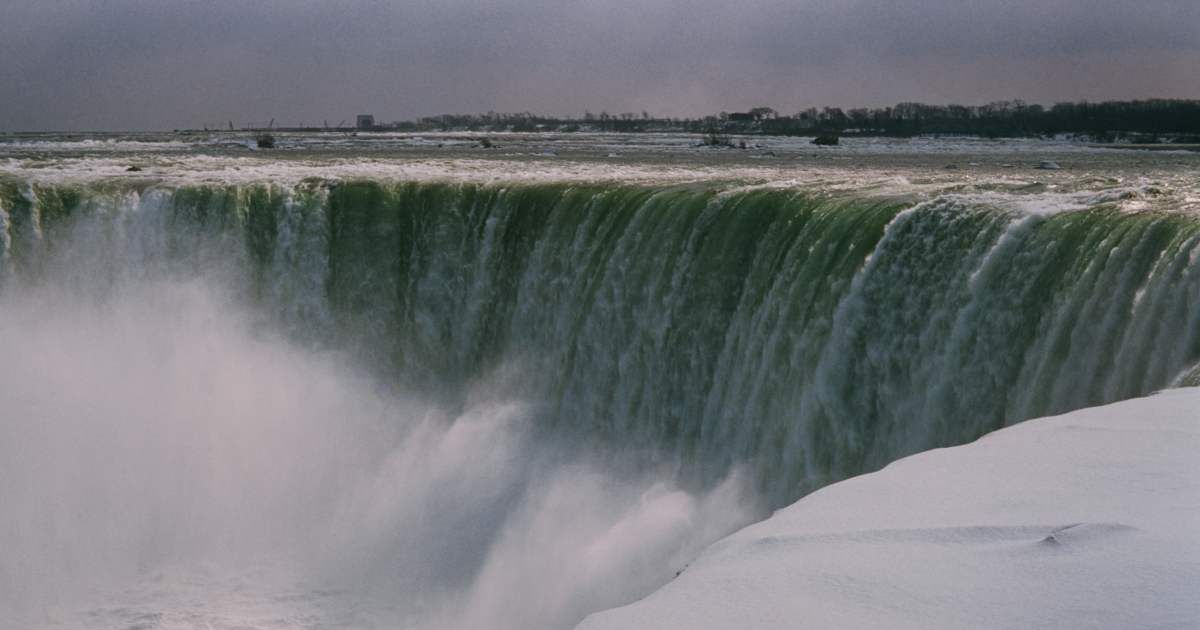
point(157, 438)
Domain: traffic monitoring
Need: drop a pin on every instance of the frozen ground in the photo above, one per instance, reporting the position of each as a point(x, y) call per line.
point(1085, 520)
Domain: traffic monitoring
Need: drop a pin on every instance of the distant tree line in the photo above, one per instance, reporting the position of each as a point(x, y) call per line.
point(1141, 120)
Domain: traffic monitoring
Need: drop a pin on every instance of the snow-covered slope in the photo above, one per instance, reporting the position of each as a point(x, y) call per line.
point(1085, 520)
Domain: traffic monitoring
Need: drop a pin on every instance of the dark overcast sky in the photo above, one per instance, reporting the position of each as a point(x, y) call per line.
point(162, 64)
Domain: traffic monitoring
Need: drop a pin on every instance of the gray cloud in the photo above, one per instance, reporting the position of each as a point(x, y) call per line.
point(120, 64)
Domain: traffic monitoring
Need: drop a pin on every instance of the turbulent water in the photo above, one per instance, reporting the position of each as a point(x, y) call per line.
point(509, 404)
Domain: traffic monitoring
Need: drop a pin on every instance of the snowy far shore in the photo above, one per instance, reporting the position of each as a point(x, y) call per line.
point(1086, 520)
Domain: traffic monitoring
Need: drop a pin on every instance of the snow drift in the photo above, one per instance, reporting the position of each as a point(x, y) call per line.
point(1085, 520)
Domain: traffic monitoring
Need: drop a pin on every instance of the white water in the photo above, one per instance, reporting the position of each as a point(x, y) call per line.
point(168, 460)
point(166, 463)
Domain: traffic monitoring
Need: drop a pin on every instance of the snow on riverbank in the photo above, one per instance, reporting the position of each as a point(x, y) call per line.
point(1085, 520)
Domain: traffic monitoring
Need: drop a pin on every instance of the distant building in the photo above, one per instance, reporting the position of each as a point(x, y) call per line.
point(366, 121)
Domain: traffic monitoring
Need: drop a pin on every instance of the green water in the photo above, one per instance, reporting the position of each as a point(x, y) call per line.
point(804, 336)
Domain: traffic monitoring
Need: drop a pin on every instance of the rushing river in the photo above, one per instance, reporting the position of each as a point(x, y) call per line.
point(317, 391)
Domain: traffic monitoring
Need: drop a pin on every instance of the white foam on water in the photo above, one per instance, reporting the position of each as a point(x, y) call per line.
point(877, 166)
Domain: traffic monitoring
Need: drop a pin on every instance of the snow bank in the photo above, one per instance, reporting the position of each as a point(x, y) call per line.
point(1085, 520)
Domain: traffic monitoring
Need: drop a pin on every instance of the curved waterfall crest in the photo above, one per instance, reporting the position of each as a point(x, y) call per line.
point(804, 335)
